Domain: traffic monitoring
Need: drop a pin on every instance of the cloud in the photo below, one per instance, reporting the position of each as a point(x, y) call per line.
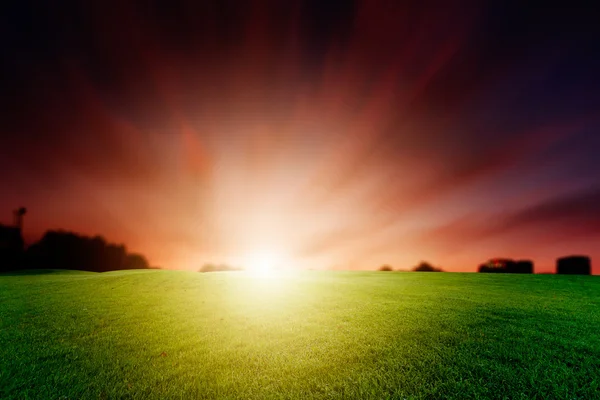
point(566, 217)
point(571, 214)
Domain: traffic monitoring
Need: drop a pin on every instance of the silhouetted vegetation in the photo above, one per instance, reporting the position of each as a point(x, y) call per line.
point(11, 248)
point(524, 267)
point(426, 267)
point(66, 250)
point(71, 251)
point(18, 214)
point(136, 261)
point(574, 265)
point(507, 266)
point(495, 265)
point(218, 267)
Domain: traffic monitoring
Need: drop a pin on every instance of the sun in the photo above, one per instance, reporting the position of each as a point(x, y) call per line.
point(264, 262)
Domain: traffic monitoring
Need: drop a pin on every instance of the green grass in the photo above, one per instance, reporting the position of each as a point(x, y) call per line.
point(361, 335)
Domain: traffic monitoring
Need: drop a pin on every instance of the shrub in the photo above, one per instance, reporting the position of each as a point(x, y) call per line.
point(426, 267)
point(136, 261)
point(217, 267)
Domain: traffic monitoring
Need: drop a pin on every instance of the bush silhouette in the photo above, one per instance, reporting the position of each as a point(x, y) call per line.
point(426, 267)
point(217, 267)
point(385, 268)
point(136, 261)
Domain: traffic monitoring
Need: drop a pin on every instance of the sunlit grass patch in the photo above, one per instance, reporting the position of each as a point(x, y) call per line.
point(170, 334)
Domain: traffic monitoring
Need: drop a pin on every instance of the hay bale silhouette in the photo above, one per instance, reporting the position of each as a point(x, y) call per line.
point(574, 265)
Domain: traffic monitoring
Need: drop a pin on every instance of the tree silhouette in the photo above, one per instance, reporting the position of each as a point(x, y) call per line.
point(524, 267)
point(574, 265)
point(11, 248)
point(19, 213)
point(385, 268)
point(507, 265)
point(68, 250)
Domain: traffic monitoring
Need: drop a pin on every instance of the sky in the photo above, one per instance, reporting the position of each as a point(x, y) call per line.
point(339, 134)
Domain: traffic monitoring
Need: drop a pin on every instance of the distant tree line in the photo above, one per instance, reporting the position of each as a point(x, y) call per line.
point(571, 265)
point(66, 250)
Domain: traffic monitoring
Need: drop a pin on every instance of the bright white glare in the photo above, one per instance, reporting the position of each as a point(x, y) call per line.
point(264, 263)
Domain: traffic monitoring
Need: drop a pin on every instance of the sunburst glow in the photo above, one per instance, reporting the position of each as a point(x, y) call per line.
point(343, 134)
point(265, 263)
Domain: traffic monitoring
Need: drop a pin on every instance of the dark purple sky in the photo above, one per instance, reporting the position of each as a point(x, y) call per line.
point(340, 134)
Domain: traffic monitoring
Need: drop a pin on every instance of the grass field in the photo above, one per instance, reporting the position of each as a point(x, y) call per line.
point(362, 335)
